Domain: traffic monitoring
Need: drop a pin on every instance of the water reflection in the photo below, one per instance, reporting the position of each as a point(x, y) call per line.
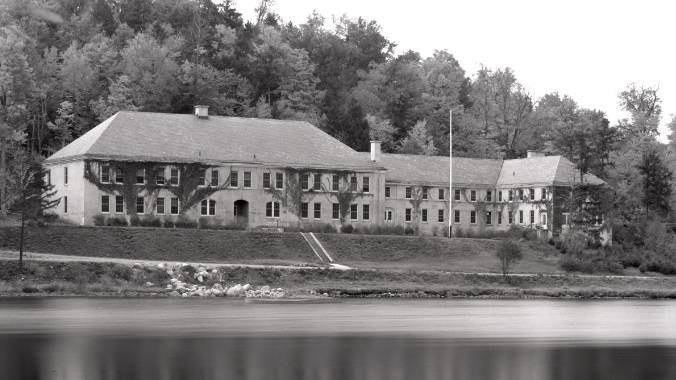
point(205, 349)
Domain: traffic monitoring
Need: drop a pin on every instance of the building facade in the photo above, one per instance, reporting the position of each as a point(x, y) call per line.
point(274, 173)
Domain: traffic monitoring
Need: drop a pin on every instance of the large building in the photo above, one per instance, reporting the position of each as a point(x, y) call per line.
point(261, 172)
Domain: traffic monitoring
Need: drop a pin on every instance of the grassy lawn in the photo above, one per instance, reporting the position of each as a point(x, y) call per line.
point(164, 244)
point(433, 253)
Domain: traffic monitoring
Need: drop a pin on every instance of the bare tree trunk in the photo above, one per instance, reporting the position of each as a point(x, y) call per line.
point(21, 238)
point(3, 176)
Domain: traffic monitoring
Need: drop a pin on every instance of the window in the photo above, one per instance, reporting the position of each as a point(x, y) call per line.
point(521, 216)
point(266, 180)
point(335, 183)
point(119, 176)
point(511, 195)
point(472, 195)
point(234, 178)
point(279, 180)
point(119, 204)
point(159, 176)
point(173, 176)
point(317, 182)
point(387, 192)
point(208, 207)
point(520, 194)
point(425, 192)
point(203, 177)
point(174, 206)
point(160, 206)
point(49, 178)
point(388, 215)
point(140, 205)
point(532, 194)
point(500, 196)
point(105, 204)
point(214, 177)
point(489, 218)
point(140, 176)
point(472, 217)
point(440, 217)
point(489, 196)
point(304, 210)
point(65, 205)
point(304, 181)
point(456, 216)
point(543, 194)
point(543, 218)
point(317, 211)
point(247, 180)
point(510, 217)
point(456, 194)
point(105, 174)
point(499, 217)
point(272, 209)
point(424, 215)
point(408, 193)
point(532, 216)
point(335, 211)
point(65, 175)
point(365, 212)
point(442, 195)
point(353, 183)
point(407, 216)
point(365, 185)
point(353, 211)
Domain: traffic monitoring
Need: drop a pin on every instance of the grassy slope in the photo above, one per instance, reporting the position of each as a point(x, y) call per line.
point(433, 253)
point(163, 244)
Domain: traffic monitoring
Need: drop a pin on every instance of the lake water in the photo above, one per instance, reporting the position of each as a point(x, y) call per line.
point(172, 339)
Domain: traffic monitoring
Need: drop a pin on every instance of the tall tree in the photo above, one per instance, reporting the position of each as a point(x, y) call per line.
point(656, 183)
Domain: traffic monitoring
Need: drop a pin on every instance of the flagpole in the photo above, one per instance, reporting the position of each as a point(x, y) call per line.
point(450, 174)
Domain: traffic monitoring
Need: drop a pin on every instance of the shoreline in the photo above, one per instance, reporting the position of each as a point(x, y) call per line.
point(115, 280)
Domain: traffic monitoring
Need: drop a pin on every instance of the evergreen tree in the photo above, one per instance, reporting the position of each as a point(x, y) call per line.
point(656, 183)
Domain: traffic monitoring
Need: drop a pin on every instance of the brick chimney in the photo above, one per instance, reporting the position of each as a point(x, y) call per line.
point(375, 151)
point(534, 153)
point(202, 112)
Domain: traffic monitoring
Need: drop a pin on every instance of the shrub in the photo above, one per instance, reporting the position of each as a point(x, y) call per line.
point(185, 222)
point(117, 221)
point(346, 228)
point(509, 253)
point(574, 241)
point(517, 232)
point(168, 223)
point(591, 264)
point(151, 221)
point(99, 220)
point(312, 227)
point(204, 222)
point(134, 220)
point(409, 230)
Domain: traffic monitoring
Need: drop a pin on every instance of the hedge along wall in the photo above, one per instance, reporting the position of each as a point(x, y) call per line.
point(162, 244)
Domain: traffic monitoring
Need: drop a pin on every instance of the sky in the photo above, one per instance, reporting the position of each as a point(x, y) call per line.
point(589, 49)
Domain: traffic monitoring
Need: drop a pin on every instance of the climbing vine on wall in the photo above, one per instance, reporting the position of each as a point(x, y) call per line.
point(188, 191)
point(293, 195)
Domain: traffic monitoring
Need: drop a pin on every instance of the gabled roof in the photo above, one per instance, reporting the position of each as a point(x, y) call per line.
point(413, 169)
point(164, 137)
point(535, 171)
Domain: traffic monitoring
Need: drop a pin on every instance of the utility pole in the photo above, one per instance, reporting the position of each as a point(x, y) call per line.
point(450, 174)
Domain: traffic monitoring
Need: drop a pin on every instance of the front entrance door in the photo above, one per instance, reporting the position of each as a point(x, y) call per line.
point(241, 210)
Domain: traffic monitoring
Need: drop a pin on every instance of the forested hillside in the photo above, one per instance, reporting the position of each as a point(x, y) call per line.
point(66, 65)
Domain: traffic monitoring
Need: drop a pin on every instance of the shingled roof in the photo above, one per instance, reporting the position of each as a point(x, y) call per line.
point(433, 170)
point(164, 137)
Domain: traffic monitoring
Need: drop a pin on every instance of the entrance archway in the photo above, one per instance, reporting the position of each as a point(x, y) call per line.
point(241, 211)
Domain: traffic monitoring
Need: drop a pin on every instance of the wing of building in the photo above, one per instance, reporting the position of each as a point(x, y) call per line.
point(262, 172)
